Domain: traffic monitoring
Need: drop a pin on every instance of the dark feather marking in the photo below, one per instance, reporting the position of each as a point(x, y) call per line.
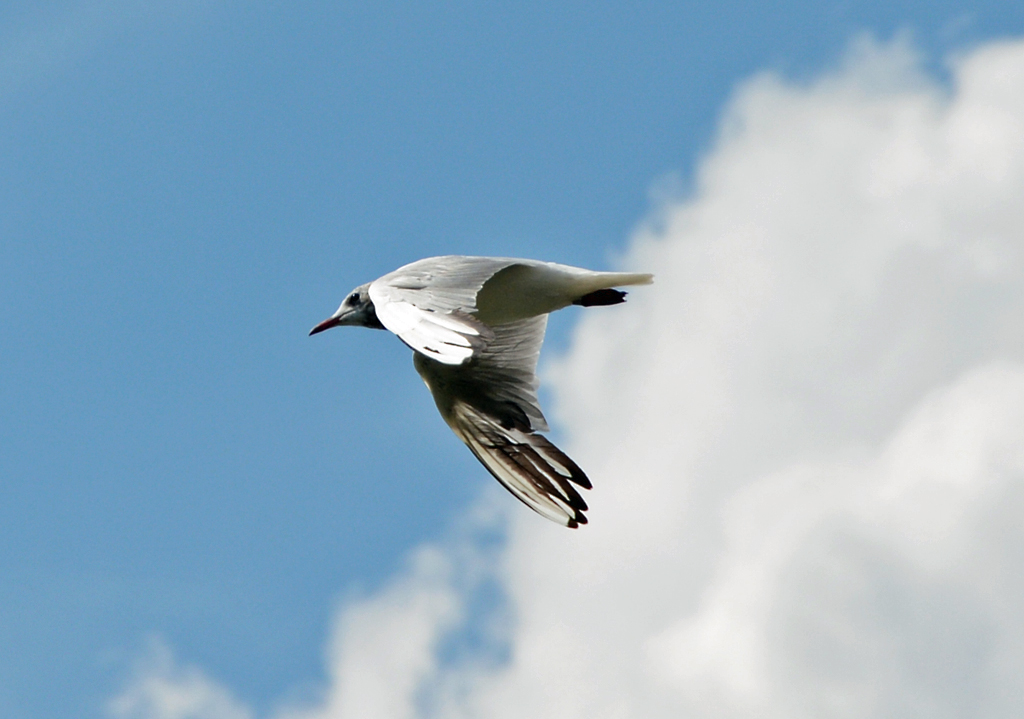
point(538, 470)
point(599, 298)
point(502, 456)
point(576, 474)
point(545, 478)
point(569, 492)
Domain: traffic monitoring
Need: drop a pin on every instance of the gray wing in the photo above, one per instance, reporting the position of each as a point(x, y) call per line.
point(491, 405)
point(429, 304)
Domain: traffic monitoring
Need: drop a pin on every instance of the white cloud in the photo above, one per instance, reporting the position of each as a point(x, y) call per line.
point(163, 690)
point(805, 438)
point(384, 649)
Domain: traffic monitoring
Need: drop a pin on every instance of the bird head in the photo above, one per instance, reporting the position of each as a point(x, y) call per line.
point(356, 309)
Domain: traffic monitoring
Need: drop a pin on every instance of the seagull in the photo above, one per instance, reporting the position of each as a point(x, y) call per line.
point(476, 325)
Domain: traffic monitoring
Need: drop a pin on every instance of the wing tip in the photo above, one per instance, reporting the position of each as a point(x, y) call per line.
point(535, 471)
point(575, 521)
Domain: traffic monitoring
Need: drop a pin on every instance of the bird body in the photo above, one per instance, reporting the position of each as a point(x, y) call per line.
point(476, 325)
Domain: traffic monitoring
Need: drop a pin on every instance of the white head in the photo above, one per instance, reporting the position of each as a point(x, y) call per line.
point(357, 309)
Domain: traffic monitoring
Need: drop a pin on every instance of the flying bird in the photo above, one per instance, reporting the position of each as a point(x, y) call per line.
point(476, 325)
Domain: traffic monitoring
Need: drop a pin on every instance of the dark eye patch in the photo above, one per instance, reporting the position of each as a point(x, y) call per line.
point(353, 299)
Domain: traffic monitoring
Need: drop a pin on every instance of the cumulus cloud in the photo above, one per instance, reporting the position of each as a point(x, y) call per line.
point(385, 649)
point(805, 438)
point(162, 689)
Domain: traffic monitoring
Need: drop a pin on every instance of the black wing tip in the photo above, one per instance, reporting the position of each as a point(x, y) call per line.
point(577, 520)
point(544, 475)
point(576, 475)
point(600, 298)
point(580, 479)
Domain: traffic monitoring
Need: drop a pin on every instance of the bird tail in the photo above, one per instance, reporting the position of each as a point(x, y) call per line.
point(624, 279)
point(596, 288)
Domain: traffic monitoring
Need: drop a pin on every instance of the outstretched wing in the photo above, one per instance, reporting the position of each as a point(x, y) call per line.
point(491, 405)
point(526, 463)
point(443, 307)
point(430, 304)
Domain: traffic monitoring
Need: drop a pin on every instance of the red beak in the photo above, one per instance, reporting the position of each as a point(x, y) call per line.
point(325, 325)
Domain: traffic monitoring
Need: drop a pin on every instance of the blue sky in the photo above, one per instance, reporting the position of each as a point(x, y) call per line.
point(188, 187)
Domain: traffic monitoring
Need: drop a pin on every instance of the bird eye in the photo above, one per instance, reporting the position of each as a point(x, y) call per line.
point(353, 299)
